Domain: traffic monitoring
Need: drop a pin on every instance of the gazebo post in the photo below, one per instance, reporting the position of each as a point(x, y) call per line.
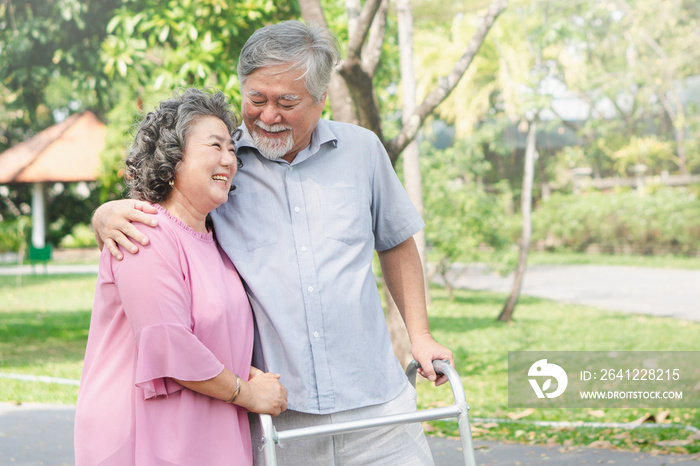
point(38, 216)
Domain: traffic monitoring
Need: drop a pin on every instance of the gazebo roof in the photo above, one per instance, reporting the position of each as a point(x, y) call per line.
point(68, 151)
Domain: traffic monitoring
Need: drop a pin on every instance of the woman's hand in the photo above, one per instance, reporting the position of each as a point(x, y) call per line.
point(112, 225)
point(263, 393)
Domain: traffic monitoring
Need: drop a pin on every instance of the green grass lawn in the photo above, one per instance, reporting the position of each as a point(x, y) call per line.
point(666, 262)
point(44, 326)
point(43, 331)
point(574, 258)
point(480, 343)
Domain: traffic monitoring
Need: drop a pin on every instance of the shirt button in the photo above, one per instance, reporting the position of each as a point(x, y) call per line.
point(315, 334)
point(291, 168)
point(310, 289)
point(297, 209)
point(303, 248)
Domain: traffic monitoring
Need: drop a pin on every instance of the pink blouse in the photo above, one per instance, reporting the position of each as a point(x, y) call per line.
point(177, 309)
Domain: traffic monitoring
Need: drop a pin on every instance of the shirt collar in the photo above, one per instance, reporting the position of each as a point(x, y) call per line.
point(321, 135)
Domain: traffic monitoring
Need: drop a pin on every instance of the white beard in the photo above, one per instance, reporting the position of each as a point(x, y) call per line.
point(273, 148)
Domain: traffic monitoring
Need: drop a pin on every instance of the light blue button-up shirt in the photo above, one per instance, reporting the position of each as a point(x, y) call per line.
point(302, 236)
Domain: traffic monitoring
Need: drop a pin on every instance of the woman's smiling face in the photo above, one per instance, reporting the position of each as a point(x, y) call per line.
point(203, 177)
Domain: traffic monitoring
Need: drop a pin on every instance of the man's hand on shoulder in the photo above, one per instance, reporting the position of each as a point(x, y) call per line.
point(112, 222)
point(425, 350)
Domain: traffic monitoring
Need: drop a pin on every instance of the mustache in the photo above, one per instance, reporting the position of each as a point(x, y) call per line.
point(272, 128)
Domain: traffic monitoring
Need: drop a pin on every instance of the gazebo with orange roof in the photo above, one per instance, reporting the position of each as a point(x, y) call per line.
point(66, 152)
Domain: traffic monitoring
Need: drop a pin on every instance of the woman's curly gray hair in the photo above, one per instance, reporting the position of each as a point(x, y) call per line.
point(161, 139)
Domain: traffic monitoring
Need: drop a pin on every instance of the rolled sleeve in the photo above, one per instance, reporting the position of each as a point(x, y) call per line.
point(395, 218)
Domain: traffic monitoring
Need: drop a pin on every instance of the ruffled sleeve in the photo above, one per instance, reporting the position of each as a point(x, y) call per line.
point(171, 351)
point(156, 295)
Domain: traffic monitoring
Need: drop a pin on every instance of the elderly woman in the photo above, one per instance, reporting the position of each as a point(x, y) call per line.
point(167, 377)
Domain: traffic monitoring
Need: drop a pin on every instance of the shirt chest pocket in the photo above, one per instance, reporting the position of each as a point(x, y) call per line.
point(346, 215)
point(250, 221)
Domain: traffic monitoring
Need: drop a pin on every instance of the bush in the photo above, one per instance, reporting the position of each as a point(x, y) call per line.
point(463, 221)
point(661, 222)
point(13, 233)
point(81, 236)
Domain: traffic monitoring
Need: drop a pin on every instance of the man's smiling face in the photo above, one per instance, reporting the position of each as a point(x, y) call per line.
point(279, 112)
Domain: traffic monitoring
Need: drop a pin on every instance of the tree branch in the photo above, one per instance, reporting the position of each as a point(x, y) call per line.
point(445, 84)
point(372, 50)
point(312, 12)
point(358, 34)
point(338, 92)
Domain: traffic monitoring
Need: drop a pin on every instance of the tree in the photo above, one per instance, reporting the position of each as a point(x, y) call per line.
point(50, 63)
point(158, 46)
point(464, 221)
point(635, 58)
point(522, 59)
point(154, 47)
point(365, 38)
point(412, 174)
point(526, 212)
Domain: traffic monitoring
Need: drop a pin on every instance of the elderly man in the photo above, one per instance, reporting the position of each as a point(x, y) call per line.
point(313, 200)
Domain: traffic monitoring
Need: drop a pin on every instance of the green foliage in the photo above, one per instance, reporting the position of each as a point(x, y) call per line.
point(631, 65)
point(664, 221)
point(154, 47)
point(630, 62)
point(123, 118)
point(160, 46)
point(68, 205)
point(464, 222)
point(649, 151)
point(13, 233)
point(50, 57)
point(43, 45)
point(81, 236)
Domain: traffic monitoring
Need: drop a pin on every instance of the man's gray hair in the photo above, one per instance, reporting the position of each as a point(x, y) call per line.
point(312, 48)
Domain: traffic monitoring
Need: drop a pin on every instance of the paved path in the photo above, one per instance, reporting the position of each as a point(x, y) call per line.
point(661, 292)
point(34, 435)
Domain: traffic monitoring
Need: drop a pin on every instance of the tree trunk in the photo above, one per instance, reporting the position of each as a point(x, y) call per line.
point(677, 118)
point(411, 155)
point(397, 330)
point(530, 152)
point(443, 268)
point(338, 92)
point(357, 75)
point(412, 178)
